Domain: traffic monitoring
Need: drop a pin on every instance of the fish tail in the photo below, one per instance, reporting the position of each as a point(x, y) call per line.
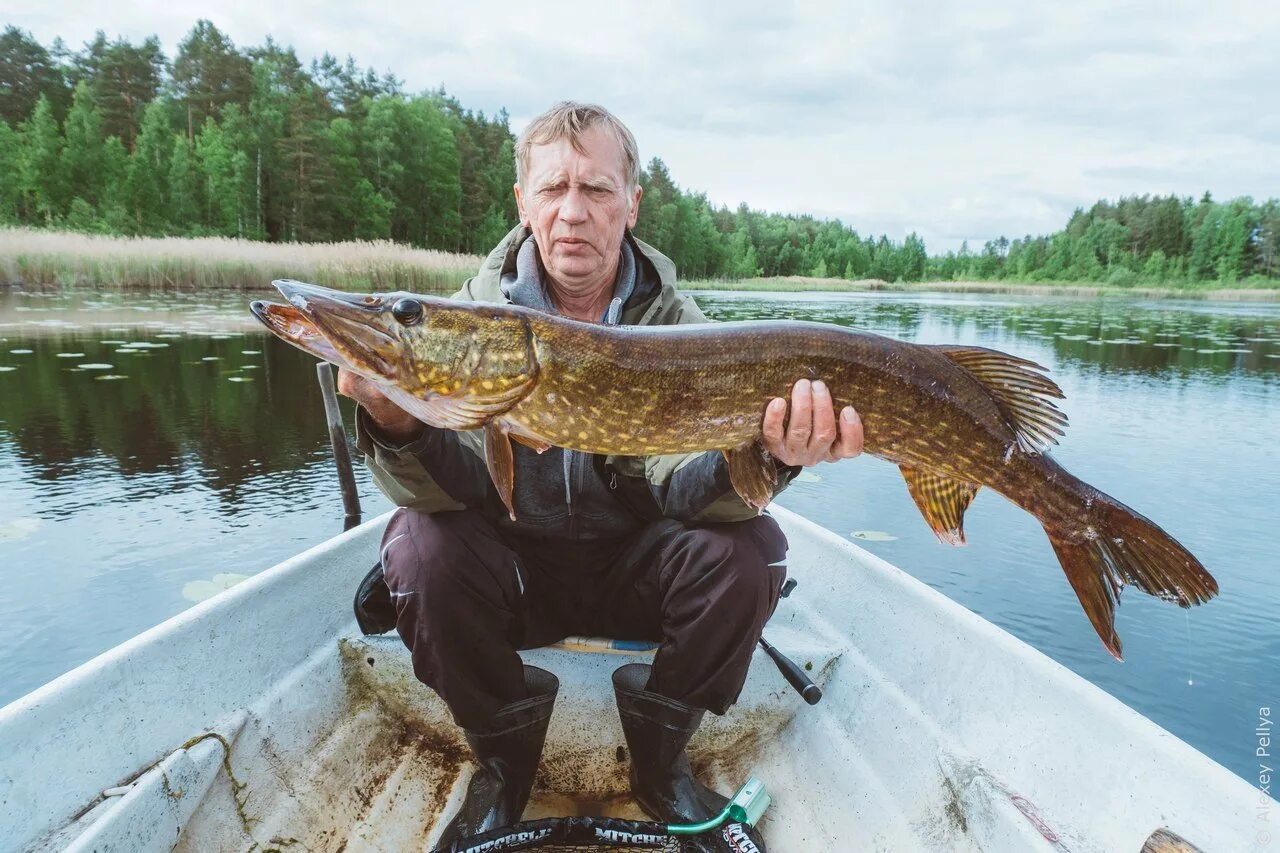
point(1111, 547)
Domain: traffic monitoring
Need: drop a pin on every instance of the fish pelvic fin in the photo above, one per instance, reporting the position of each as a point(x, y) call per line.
point(1118, 547)
point(942, 501)
point(500, 461)
point(1021, 390)
point(752, 474)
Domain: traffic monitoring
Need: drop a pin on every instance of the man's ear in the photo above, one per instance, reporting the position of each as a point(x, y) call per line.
point(635, 207)
point(524, 217)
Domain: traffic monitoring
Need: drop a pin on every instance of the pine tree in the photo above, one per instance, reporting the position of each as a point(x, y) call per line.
point(208, 73)
point(27, 71)
point(125, 78)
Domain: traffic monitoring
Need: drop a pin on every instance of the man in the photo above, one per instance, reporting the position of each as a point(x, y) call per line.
point(657, 548)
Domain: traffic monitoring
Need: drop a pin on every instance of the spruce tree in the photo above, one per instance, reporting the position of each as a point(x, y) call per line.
point(148, 171)
point(83, 153)
point(43, 187)
point(10, 173)
point(184, 203)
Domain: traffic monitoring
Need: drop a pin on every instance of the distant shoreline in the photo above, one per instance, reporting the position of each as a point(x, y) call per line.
point(805, 284)
point(32, 259)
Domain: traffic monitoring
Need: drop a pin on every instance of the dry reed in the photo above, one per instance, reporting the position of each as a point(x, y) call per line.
point(38, 258)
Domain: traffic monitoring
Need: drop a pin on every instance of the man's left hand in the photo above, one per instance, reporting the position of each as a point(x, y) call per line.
point(812, 434)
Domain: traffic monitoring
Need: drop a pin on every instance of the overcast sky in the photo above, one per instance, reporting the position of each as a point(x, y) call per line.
point(955, 120)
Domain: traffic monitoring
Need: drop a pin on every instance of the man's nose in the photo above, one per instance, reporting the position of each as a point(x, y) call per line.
point(573, 207)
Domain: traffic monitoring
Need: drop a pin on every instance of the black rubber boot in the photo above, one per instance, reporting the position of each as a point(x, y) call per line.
point(657, 730)
point(507, 753)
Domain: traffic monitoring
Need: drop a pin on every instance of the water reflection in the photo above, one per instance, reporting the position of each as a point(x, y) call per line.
point(1106, 335)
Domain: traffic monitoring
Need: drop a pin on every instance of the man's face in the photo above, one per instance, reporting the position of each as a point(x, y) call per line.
point(578, 207)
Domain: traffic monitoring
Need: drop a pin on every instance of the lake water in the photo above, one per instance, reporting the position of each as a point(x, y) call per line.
point(152, 449)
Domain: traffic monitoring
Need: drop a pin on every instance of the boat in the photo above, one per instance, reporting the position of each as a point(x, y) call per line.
point(262, 719)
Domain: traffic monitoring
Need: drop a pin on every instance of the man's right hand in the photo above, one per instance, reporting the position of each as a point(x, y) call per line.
point(395, 424)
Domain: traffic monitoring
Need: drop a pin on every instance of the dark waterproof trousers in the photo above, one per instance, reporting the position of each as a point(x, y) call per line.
point(467, 597)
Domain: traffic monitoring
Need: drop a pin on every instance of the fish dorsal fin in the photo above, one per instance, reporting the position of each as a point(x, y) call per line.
point(942, 501)
point(1020, 388)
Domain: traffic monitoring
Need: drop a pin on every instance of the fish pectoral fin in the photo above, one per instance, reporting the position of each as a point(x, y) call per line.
point(1021, 390)
point(499, 459)
point(942, 501)
point(752, 473)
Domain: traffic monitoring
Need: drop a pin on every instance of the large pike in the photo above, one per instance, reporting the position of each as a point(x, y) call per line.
point(953, 418)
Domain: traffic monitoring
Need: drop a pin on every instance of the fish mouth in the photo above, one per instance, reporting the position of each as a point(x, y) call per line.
point(292, 326)
point(359, 328)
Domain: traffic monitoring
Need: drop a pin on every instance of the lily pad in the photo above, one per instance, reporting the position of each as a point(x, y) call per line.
point(251, 352)
point(211, 358)
point(5, 368)
point(107, 376)
point(873, 535)
point(96, 366)
point(200, 590)
point(19, 528)
point(21, 351)
point(70, 355)
point(239, 378)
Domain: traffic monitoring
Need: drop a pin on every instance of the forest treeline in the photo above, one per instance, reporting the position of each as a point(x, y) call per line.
point(118, 138)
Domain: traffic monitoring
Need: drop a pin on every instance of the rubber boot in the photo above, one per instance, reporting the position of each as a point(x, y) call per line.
point(507, 754)
point(657, 730)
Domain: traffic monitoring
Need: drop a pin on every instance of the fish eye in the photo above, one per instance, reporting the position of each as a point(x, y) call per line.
point(407, 311)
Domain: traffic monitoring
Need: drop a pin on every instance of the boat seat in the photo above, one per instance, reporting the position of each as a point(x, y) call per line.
point(605, 645)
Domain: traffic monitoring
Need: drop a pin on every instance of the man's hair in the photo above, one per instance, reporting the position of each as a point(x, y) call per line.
point(569, 120)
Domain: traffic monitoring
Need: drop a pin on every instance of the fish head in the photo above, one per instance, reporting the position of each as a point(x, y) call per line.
point(426, 345)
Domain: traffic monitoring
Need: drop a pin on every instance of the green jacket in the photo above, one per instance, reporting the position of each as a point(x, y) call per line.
point(563, 493)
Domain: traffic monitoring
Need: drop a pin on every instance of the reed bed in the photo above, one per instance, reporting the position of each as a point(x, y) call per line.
point(38, 258)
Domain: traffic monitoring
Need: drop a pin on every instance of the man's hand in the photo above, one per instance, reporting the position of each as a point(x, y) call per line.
point(812, 435)
point(395, 423)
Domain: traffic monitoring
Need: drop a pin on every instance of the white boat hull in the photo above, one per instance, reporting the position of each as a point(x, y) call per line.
point(938, 731)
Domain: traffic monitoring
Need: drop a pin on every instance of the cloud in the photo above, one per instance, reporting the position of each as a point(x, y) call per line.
point(958, 121)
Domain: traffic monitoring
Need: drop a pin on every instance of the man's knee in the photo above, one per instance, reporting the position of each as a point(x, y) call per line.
point(431, 554)
point(741, 558)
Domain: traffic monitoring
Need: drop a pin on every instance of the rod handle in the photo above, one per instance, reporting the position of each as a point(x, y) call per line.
point(794, 675)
